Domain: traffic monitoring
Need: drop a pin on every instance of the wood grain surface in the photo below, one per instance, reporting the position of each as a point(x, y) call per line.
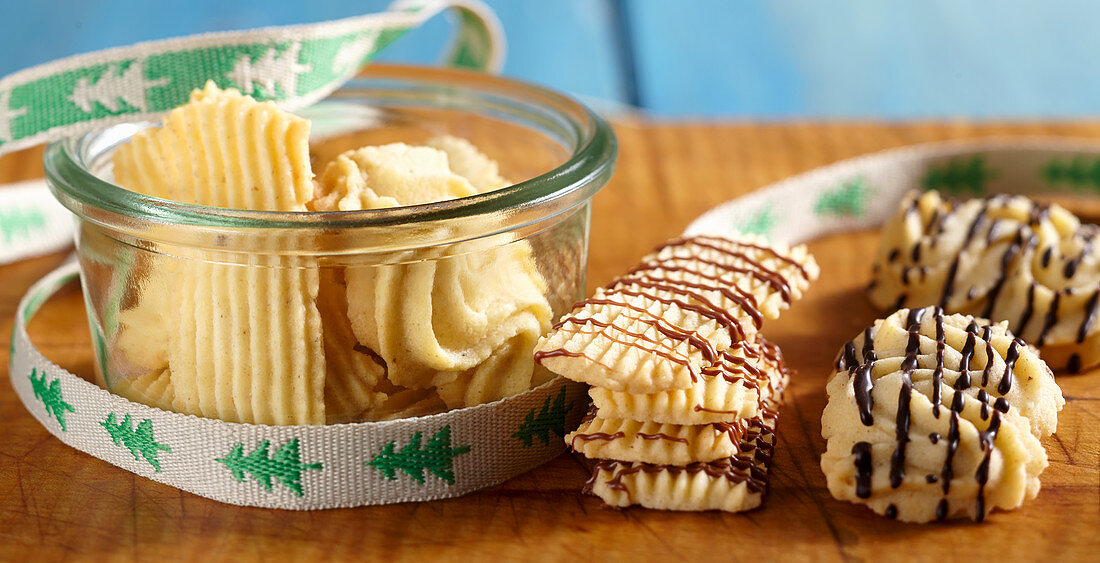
point(56, 502)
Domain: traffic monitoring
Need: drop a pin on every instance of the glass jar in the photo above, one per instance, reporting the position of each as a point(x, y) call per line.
point(199, 309)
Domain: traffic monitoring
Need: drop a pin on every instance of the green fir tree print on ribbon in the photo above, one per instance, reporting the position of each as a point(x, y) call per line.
point(760, 223)
point(543, 423)
point(50, 395)
point(847, 200)
point(959, 176)
point(296, 64)
point(437, 457)
point(286, 465)
point(1080, 173)
point(138, 440)
point(20, 223)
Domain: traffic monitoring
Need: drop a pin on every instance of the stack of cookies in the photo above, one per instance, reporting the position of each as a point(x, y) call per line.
point(685, 390)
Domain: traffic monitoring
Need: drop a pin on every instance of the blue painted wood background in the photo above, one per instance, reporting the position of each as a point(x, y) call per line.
point(691, 58)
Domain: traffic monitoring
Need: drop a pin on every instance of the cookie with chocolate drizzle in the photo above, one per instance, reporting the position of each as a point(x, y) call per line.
point(734, 386)
point(686, 391)
point(678, 311)
point(732, 484)
point(1005, 258)
point(934, 416)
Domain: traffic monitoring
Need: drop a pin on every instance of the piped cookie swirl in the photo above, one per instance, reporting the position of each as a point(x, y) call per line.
point(1005, 258)
point(934, 416)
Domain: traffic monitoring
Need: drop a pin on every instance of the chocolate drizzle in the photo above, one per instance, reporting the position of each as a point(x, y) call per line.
point(953, 271)
point(864, 468)
point(986, 439)
point(937, 374)
point(771, 277)
point(905, 395)
point(593, 436)
point(660, 436)
point(1011, 357)
point(1014, 249)
point(986, 337)
point(749, 466)
point(862, 383)
point(671, 331)
point(1092, 309)
point(1029, 309)
point(711, 243)
point(948, 472)
point(1051, 319)
point(963, 381)
point(560, 352)
point(1074, 363)
point(745, 302)
point(707, 309)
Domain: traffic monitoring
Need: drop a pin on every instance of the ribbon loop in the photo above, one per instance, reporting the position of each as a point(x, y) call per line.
point(294, 65)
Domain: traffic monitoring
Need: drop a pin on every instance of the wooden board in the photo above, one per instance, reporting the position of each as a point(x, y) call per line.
point(56, 502)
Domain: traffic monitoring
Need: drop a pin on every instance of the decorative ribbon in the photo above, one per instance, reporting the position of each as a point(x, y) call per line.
point(293, 65)
point(449, 454)
point(864, 192)
point(294, 467)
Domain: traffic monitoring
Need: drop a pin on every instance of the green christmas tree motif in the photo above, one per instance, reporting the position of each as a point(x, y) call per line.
point(847, 200)
point(759, 223)
point(20, 223)
point(286, 465)
point(437, 457)
point(1082, 174)
point(541, 423)
point(959, 175)
point(50, 395)
point(138, 440)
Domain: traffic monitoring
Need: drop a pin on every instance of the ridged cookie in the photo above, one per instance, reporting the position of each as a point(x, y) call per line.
point(745, 377)
point(245, 343)
point(734, 484)
point(655, 328)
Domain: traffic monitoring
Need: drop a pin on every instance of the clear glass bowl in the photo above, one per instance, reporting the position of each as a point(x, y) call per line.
point(135, 250)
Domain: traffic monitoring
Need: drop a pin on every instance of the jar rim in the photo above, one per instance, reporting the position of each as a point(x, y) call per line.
point(593, 156)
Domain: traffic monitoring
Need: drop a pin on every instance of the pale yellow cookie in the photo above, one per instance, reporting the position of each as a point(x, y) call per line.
point(407, 403)
point(654, 329)
point(933, 416)
point(153, 389)
point(640, 343)
point(773, 274)
point(144, 329)
point(447, 314)
point(1005, 258)
point(407, 174)
point(656, 443)
point(463, 318)
point(734, 484)
point(745, 377)
point(245, 343)
point(352, 371)
point(509, 369)
point(464, 159)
